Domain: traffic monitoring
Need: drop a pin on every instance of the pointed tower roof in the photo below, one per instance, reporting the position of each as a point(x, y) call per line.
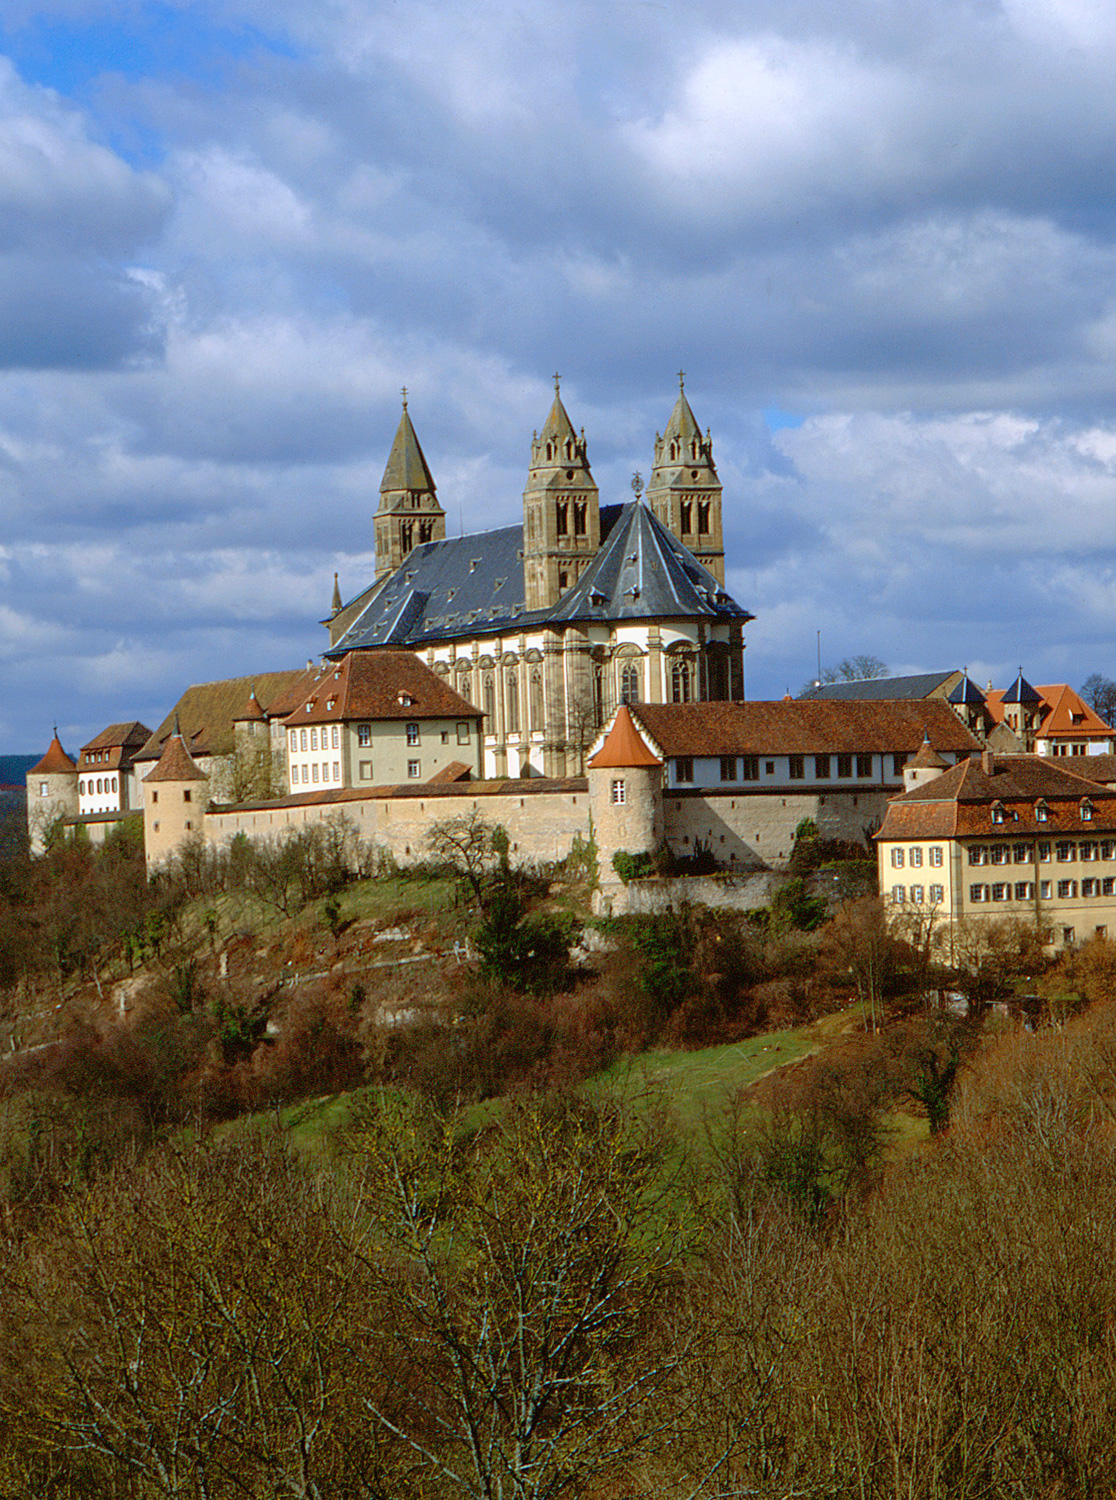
point(251, 710)
point(623, 746)
point(407, 468)
point(336, 605)
point(966, 692)
point(927, 758)
point(1021, 691)
point(683, 423)
point(558, 425)
point(54, 761)
point(176, 763)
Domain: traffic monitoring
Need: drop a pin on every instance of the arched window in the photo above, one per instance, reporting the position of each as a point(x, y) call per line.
point(629, 683)
point(490, 703)
point(405, 534)
point(536, 699)
point(511, 700)
point(681, 682)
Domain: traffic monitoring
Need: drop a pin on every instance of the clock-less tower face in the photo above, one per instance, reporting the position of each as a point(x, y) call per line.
point(684, 492)
point(409, 513)
point(561, 511)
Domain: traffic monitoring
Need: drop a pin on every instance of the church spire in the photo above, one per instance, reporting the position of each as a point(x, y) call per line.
point(409, 513)
point(561, 509)
point(684, 491)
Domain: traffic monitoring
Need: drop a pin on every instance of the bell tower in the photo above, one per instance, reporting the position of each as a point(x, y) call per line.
point(684, 492)
point(409, 512)
point(561, 510)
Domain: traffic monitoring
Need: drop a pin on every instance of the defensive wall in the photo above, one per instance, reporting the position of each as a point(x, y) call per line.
point(754, 830)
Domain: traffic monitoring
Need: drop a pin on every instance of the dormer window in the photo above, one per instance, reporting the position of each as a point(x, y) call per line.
point(997, 812)
point(1042, 812)
point(405, 700)
point(1085, 808)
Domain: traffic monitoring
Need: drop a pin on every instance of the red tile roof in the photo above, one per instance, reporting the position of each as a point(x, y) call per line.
point(1066, 715)
point(803, 726)
point(531, 786)
point(623, 745)
point(380, 685)
point(960, 801)
point(54, 761)
point(176, 764)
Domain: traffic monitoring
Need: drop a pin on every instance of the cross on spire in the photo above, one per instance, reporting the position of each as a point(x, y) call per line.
point(557, 382)
point(681, 380)
point(404, 398)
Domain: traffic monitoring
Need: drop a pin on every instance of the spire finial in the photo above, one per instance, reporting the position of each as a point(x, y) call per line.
point(177, 727)
point(681, 382)
point(557, 383)
point(404, 398)
point(637, 484)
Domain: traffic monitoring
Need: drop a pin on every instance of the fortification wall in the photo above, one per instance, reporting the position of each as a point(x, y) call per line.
point(744, 892)
point(752, 829)
point(541, 824)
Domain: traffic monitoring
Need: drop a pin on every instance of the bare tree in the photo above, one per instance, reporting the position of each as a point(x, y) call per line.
point(470, 844)
point(856, 669)
point(1100, 694)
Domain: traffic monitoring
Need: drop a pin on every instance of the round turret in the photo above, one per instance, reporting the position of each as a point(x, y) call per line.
point(625, 794)
point(923, 766)
point(174, 803)
point(52, 793)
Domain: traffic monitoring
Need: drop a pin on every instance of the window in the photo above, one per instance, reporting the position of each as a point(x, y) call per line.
point(1024, 890)
point(898, 858)
point(490, 702)
point(563, 518)
point(189, 825)
point(462, 732)
point(336, 738)
point(936, 856)
point(364, 735)
point(445, 736)
point(1023, 854)
point(864, 766)
point(1106, 849)
point(537, 701)
point(728, 767)
point(99, 784)
point(629, 683)
point(844, 765)
point(1087, 852)
point(1063, 852)
point(365, 770)
point(579, 518)
point(899, 894)
point(898, 761)
point(684, 768)
point(1042, 812)
point(1090, 887)
point(1067, 889)
point(797, 767)
point(978, 893)
point(511, 700)
point(1044, 854)
point(412, 734)
point(680, 684)
point(917, 894)
point(999, 853)
point(937, 895)
point(313, 739)
point(1067, 936)
point(687, 513)
point(294, 740)
point(413, 768)
point(619, 793)
point(305, 775)
point(1086, 811)
point(821, 767)
point(304, 742)
point(1044, 890)
point(1107, 885)
point(154, 796)
point(978, 854)
point(314, 771)
point(1000, 891)
point(43, 789)
point(337, 770)
point(186, 796)
point(916, 859)
point(750, 768)
point(769, 768)
point(998, 812)
point(703, 518)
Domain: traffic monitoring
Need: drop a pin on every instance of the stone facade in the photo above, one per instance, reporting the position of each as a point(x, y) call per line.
point(52, 793)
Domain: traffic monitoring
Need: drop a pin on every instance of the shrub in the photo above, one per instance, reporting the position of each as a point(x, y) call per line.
point(632, 866)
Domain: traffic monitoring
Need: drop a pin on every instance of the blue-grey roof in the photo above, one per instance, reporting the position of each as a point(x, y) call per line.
point(473, 585)
point(1021, 691)
point(879, 689)
point(966, 691)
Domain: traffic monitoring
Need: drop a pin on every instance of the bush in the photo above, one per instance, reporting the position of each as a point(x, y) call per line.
point(632, 866)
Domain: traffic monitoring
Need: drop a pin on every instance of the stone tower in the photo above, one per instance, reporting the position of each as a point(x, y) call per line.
point(926, 765)
point(175, 795)
point(52, 793)
point(561, 511)
point(409, 512)
point(684, 492)
point(625, 795)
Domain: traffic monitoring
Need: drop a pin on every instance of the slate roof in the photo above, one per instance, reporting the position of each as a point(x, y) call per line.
point(803, 726)
point(959, 802)
point(380, 685)
point(207, 710)
point(1021, 691)
point(868, 689)
point(473, 585)
point(967, 692)
point(407, 468)
point(54, 761)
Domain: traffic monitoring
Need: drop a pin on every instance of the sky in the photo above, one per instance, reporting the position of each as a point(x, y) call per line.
point(878, 235)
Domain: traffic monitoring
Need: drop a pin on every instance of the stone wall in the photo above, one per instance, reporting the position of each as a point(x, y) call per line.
point(750, 830)
point(743, 892)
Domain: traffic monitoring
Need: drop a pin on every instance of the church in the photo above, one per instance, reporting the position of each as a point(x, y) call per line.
point(548, 626)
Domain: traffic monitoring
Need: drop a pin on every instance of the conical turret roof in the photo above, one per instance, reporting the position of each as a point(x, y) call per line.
point(624, 746)
point(54, 761)
point(251, 710)
point(967, 692)
point(176, 763)
point(683, 423)
point(407, 468)
point(558, 426)
point(927, 758)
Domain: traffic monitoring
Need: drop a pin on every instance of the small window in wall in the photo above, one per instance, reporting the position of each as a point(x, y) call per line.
point(978, 893)
point(821, 767)
point(336, 739)
point(898, 857)
point(413, 768)
point(937, 894)
point(314, 771)
point(365, 770)
point(303, 741)
point(750, 766)
point(463, 733)
point(864, 766)
point(189, 825)
point(313, 739)
point(687, 513)
point(619, 792)
point(579, 517)
point(918, 894)
point(769, 768)
point(364, 734)
point(936, 856)
point(898, 761)
point(899, 894)
point(728, 767)
point(844, 765)
point(114, 783)
point(681, 684)
point(186, 796)
point(703, 518)
point(337, 770)
point(154, 796)
point(629, 683)
point(684, 768)
point(562, 518)
point(796, 767)
point(916, 857)
point(412, 734)
point(511, 699)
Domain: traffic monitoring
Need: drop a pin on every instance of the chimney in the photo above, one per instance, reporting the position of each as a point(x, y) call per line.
point(988, 762)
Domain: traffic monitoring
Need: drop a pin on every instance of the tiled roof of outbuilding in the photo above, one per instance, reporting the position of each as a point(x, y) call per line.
point(207, 710)
point(803, 726)
point(380, 685)
point(126, 736)
point(959, 802)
